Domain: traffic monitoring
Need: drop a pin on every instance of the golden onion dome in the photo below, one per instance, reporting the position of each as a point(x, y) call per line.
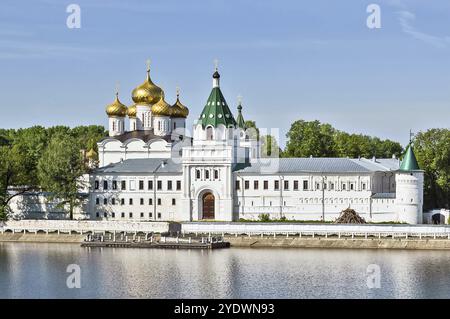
point(116, 108)
point(147, 92)
point(178, 109)
point(132, 111)
point(162, 108)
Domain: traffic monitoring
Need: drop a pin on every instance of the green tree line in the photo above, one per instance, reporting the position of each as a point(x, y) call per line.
point(44, 159)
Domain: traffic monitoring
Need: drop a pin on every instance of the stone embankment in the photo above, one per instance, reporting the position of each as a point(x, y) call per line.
point(356, 243)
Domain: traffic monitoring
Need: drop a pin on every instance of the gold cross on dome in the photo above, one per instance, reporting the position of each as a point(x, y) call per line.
point(178, 91)
point(148, 64)
point(117, 88)
point(216, 64)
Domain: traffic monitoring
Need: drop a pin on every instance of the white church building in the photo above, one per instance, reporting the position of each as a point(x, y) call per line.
point(153, 172)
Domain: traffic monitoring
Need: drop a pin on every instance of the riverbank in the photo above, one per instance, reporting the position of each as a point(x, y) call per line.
point(346, 243)
point(267, 241)
point(42, 238)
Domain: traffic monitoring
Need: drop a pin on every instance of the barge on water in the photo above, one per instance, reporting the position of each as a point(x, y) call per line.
point(154, 242)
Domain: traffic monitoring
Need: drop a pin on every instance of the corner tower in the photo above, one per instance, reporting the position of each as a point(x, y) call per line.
point(409, 189)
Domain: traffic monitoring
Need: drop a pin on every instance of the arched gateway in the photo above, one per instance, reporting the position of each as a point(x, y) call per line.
point(208, 206)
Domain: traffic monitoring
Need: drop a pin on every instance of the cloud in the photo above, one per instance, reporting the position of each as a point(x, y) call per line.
point(406, 20)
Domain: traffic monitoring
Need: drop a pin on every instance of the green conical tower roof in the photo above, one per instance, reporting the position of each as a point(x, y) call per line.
point(409, 162)
point(216, 110)
point(240, 119)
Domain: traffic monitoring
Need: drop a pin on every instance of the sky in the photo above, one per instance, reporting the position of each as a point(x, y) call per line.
point(290, 60)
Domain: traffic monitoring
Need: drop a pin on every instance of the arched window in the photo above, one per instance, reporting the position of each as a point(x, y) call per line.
point(174, 125)
point(114, 126)
point(209, 133)
point(159, 125)
point(197, 174)
point(207, 174)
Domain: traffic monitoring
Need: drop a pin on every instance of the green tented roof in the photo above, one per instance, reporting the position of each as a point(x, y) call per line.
point(216, 111)
point(409, 162)
point(240, 119)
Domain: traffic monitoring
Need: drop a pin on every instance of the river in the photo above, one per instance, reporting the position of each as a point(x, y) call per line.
point(39, 270)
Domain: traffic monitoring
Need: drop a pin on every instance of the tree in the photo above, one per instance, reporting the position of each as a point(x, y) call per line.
point(322, 140)
point(269, 146)
point(15, 178)
point(60, 169)
point(310, 139)
point(252, 129)
point(432, 149)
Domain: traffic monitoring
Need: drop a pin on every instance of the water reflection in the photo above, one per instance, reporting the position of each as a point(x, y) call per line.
point(39, 271)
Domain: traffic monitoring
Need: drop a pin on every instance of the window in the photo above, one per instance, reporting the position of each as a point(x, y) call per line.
point(169, 185)
point(142, 201)
point(122, 201)
point(159, 185)
point(266, 185)
point(295, 185)
point(130, 201)
point(331, 186)
point(197, 174)
point(286, 185)
point(97, 214)
point(238, 185)
point(324, 186)
point(246, 184)
point(216, 174)
point(344, 187)
point(97, 201)
point(174, 202)
point(150, 215)
point(142, 215)
point(114, 185)
point(352, 186)
point(130, 215)
point(150, 201)
point(159, 215)
point(317, 186)
point(113, 201)
point(159, 201)
point(364, 186)
point(255, 185)
point(105, 201)
point(150, 185)
point(113, 215)
point(178, 185)
point(122, 215)
point(206, 174)
point(105, 215)
point(105, 185)
point(305, 185)
point(209, 134)
point(96, 185)
point(141, 185)
point(276, 185)
point(124, 185)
